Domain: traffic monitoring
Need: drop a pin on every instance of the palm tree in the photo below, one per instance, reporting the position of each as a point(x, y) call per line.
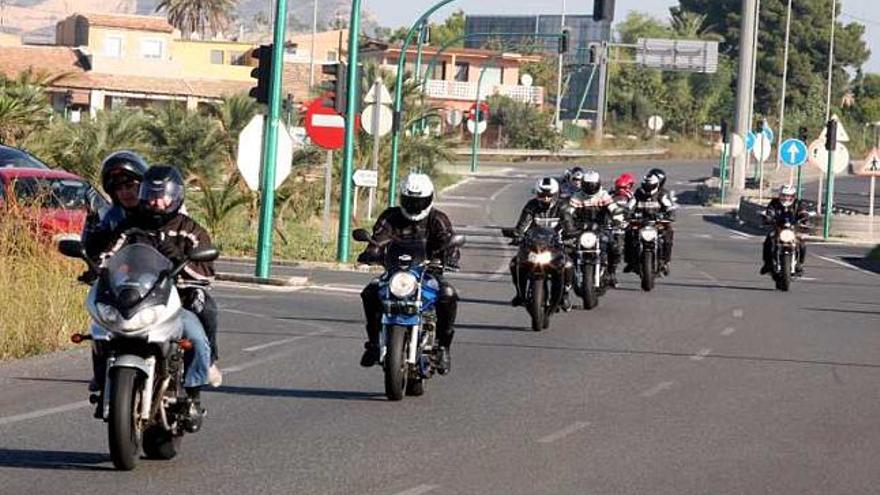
point(691, 25)
point(24, 109)
point(198, 16)
point(233, 114)
point(188, 140)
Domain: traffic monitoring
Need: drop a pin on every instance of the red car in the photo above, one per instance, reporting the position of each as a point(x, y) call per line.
point(57, 199)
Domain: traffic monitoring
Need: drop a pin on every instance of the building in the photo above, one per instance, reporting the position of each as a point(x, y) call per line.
point(452, 76)
point(513, 31)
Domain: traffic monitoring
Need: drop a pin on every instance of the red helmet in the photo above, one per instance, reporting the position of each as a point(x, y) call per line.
point(625, 181)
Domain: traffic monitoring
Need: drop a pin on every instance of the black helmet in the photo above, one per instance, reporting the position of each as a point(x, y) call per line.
point(592, 182)
point(161, 182)
point(660, 174)
point(119, 167)
point(651, 183)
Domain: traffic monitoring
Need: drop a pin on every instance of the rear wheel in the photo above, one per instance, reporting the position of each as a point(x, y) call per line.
point(589, 291)
point(415, 387)
point(395, 364)
point(647, 270)
point(124, 424)
point(159, 443)
point(537, 305)
point(783, 279)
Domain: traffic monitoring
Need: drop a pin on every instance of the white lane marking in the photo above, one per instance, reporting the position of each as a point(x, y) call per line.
point(568, 430)
point(703, 236)
point(728, 331)
point(450, 204)
point(418, 490)
point(738, 313)
point(282, 341)
point(451, 197)
point(656, 389)
point(44, 412)
point(708, 276)
point(499, 192)
point(456, 185)
point(701, 354)
point(809, 279)
point(740, 234)
point(843, 264)
point(265, 288)
point(334, 288)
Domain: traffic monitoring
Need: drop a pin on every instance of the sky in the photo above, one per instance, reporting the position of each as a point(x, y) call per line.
point(395, 13)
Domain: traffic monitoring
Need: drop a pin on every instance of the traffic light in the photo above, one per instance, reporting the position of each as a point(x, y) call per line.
point(564, 40)
point(803, 134)
point(335, 87)
point(262, 73)
point(603, 10)
point(725, 135)
point(595, 54)
point(831, 135)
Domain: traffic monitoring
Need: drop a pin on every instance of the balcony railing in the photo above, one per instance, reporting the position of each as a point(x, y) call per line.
point(455, 90)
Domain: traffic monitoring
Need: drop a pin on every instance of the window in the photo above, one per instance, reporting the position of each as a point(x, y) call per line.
point(438, 72)
point(152, 48)
point(217, 57)
point(237, 58)
point(331, 56)
point(462, 71)
point(113, 46)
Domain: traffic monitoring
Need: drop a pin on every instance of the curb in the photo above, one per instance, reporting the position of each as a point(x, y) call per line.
point(305, 265)
point(273, 281)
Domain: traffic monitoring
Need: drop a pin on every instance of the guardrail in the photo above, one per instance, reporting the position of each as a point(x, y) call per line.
point(519, 153)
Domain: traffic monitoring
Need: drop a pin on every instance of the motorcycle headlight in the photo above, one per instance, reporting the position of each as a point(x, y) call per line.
point(541, 257)
point(787, 236)
point(108, 314)
point(648, 234)
point(589, 240)
point(403, 285)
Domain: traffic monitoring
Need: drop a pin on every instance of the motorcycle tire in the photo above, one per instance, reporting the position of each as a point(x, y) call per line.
point(537, 305)
point(647, 271)
point(395, 364)
point(590, 294)
point(415, 387)
point(124, 429)
point(783, 279)
point(160, 443)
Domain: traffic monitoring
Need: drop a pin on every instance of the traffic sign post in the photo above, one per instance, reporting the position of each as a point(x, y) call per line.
point(830, 145)
point(478, 116)
point(761, 150)
point(381, 119)
point(793, 153)
point(249, 156)
point(872, 169)
point(725, 145)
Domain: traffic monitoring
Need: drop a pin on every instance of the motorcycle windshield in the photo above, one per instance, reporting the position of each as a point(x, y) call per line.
point(137, 267)
point(540, 238)
point(405, 252)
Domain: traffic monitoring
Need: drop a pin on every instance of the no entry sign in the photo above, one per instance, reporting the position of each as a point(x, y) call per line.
point(324, 126)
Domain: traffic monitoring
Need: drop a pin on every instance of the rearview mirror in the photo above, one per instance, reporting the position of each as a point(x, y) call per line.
point(72, 248)
point(204, 255)
point(361, 235)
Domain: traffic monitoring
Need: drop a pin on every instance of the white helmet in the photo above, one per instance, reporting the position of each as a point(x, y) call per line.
point(787, 194)
point(416, 196)
point(547, 187)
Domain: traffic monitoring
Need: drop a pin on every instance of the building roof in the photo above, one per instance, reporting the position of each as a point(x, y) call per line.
point(135, 22)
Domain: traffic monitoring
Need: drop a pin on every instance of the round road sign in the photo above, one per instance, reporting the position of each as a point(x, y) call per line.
point(385, 119)
point(655, 123)
point(325, 127)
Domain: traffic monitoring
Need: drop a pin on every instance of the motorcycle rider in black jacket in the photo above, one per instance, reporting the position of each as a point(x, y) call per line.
point(651, 193)
point(415, 218)
point(785, 204)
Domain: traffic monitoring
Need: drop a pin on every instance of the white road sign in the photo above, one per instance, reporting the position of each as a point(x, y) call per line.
point(737, 146)
point(366, 178)
point(872, 164)
point(480, 129)
point(384, 119)
point(384, 95)
point(762, 148)
point(250, 151)
point(655, 123)
point(819, 157)
point(842, 135)
point(454, 117)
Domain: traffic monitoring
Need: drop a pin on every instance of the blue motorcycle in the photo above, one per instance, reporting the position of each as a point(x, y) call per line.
point(409, 291)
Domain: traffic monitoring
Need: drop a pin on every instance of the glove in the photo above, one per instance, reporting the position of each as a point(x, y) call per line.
point(87, 277)
point(170, 251)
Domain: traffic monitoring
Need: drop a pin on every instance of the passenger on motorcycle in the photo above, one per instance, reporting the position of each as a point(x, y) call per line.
point(572, 182)
point(651, 198)
point(175, 235)
point(415, 218)
point(785, 204)
point(594, 205)
point(624, 187)
point(545, 209)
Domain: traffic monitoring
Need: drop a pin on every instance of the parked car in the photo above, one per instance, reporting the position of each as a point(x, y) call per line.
point(16, 158)
point(56, 200)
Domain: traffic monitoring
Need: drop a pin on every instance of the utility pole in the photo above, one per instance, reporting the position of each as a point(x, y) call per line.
point(784, 81)
point(559, 76)
point(744, 88)
point(312, 54)
point(831, 59)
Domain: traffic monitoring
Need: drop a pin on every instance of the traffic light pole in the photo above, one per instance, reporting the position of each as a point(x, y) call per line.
point(354, 29)
point(476, 141)
point(270, 146)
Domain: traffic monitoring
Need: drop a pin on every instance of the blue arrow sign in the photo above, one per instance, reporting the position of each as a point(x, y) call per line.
point(793, 152)
point(750, 141)
point(768, 132)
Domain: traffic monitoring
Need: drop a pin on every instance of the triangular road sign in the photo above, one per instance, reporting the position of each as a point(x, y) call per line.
point(842, 135)
point(872, 163)
point(384, 95)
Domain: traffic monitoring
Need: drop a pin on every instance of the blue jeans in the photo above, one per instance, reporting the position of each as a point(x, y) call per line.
point(198, 360)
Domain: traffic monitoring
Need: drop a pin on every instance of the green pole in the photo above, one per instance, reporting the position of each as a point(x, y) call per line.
point(420, 43)
point(799, 181)
point(476, 140)
point(354, 29)
point(829, 195)
point(270, 146)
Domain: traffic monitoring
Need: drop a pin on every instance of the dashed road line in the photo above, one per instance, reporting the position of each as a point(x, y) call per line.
point(282, 341)
point(727, 332)
point(73, 406)
point(656, 389)
point(568, 430)
point(418, 490)
point(843, 264)
point(701, 354)
point(738, 313)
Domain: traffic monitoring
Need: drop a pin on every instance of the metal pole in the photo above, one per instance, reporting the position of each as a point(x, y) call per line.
point(328, 191)
point(800, 181)
point(586, 93)
point(784, 85)
point(270, 148)
point(746, 61)
point(377, 95)
point(312, 55)
point(723, 171)
point(831, 59)
point(752, 79)
point(559, 76)
point(871, 208)
point(829, 195)
point(476, 141)
point(354, 29)
point(600, 106)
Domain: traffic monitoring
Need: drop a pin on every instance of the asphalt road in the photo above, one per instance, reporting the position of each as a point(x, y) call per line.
point(713, 383)
point(852, 192)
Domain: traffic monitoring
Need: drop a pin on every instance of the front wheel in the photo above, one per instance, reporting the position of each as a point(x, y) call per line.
point(647, 270)
point(783, 279)
point(160, 443)
point(395, 364)
point(537, 305)
point(124, 424)
point(589, 291)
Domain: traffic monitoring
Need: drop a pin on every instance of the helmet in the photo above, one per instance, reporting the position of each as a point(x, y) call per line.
point(120, 167)
point(548, 187)
point(651, 183)
point(416, 196)
point(576, 174)
point(787, 194)
point(625, 181)
point(592, 182)
point(660, 175)
point(161, 194)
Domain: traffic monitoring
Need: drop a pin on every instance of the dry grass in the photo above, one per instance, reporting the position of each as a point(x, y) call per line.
point(41, 303)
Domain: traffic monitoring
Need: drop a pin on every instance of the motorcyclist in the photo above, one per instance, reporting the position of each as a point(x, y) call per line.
point(785, 204)
point(415, 218)
point(624, 188)
point(594, 205)
point(544, 209)
point(652, 198)
point(572, 182)
point(175, 235)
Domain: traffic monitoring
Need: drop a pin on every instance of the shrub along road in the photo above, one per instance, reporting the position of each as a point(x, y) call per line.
point(713, 383)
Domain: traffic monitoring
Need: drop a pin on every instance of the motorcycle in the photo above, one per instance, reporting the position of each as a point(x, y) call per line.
point(591, 266)
point(650, 245)
point(138, 322)
point(785, 254)
point(541, 260)
point(407, 342)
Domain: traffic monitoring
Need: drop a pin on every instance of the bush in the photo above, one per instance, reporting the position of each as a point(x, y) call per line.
point(522, 125)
